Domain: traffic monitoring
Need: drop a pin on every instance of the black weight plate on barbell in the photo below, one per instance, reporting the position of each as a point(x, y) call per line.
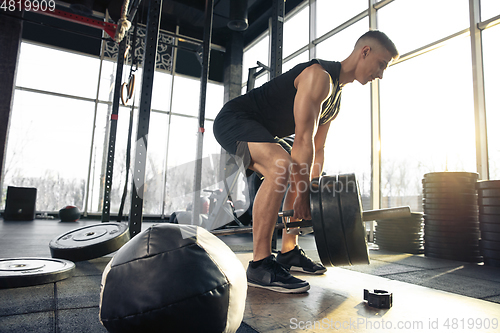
point(489, 210)
point(493, 184)
point(492, 254)
point(320, 233)
point(489, 227)
point(490, 236)
point(448, 228)
point(472, 258)
point(452, 234)
point(352, 219)
point(489, 201)
point(489, 218)
point(486, 193)
point(24, 272)
point(90, 242)
point(490, 245)
point(491, 262)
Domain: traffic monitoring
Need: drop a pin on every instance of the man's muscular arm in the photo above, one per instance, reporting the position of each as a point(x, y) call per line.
point(313, 87)
point(319, 154)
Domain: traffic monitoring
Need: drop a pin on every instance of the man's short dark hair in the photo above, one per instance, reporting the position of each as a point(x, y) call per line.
point(383, 40)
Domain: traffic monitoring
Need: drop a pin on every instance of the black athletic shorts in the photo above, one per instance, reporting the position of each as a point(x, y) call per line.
point(234, 128)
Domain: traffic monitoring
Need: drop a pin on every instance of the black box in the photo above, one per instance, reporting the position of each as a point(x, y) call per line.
point(20, 204)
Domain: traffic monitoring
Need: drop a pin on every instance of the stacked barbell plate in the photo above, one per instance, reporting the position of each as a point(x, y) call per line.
point(451, 223)
point(489, 220)
point(401, 235)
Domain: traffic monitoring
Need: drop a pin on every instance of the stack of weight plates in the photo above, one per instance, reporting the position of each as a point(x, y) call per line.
point(401, 235)
point(451, 223)
point(489, 220)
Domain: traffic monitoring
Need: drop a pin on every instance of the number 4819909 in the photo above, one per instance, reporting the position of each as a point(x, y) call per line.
point(28, 5)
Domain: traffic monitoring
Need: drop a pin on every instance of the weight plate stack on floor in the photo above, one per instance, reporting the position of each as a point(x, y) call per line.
point(451, 220)
point(489, 220)
point(401, 235)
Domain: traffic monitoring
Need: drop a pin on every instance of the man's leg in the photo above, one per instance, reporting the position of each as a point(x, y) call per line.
point(291, 255)
point(272, 161)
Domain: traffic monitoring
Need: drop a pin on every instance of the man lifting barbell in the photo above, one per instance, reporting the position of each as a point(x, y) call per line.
point(302, 101)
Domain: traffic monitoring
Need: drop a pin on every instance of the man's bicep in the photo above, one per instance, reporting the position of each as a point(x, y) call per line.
point(313, 86)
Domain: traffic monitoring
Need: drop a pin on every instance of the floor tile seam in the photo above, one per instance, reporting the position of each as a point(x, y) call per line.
point(398, 273)
point(27, 313)
point(408, 265)
point(77, 276)
point(424, 268)
point(485, 297)
point(436, 269)
point(79, 308)
point(56, 311)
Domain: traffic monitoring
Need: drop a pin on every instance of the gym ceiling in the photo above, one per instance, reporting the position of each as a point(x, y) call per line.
point(187, 15)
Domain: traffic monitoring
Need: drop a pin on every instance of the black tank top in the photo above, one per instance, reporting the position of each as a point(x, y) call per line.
point(272, 103)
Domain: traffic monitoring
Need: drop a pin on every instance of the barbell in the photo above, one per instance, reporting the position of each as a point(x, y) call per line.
point(337, 220)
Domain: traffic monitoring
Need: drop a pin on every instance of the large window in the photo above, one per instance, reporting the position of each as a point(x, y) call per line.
point(258, 52)
point(489, 9)
point(427, 121)
point(48, 148)
point(58, 138)
point(296, 32)
point(412, 25)
point(59, 133)
point(339, 46)
point(48, 69)
point(332, 13)
point(348, 142)
point(491, 50)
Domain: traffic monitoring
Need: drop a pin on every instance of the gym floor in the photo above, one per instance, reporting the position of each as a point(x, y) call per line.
point(428, 294)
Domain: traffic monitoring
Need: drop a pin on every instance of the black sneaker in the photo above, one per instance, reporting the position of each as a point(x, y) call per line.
point(297, 260)
point(268, 274)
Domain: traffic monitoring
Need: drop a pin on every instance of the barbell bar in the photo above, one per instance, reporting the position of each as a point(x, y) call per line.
point(337, 220)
